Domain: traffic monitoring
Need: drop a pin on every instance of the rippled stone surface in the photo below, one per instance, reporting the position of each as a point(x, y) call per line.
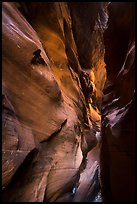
point(48, 126)
point(118, 106)
point(53, 78)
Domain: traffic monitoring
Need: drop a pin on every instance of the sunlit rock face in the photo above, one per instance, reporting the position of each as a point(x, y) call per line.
point(50, 115)
point(88, 28)
point(118, 106)
point(42, 139)
point(53, 82)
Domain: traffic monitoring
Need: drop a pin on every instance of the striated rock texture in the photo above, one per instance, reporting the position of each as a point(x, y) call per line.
point(50, 114)
point(53, 76)
point(118, 106)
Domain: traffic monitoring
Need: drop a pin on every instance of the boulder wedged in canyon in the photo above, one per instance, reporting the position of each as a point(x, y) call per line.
point(118, 106)
point(53, 79)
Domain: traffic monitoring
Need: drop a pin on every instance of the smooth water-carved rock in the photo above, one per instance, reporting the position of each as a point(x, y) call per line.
point(118, 106)
point(53, 80)
point(45, 154)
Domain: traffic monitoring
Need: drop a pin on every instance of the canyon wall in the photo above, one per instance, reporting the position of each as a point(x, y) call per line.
point(60, 141)
point(50, 114)
point(118, 106)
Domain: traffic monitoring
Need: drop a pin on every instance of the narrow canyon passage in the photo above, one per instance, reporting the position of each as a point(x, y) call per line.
point(68, 88)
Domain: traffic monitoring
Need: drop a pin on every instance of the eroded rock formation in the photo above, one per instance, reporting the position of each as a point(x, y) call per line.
point(118, 106)
point(53, 79)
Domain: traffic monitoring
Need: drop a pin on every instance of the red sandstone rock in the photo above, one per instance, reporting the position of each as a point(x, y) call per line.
point(53, 77)
point(42, 157)
point(118, 135)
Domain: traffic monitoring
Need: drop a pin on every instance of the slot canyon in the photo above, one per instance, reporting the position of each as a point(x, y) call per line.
point(68, 101)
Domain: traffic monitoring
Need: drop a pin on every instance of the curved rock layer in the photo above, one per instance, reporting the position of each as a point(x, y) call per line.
point(118, 106)
point(53, 79)
point(50, 114)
